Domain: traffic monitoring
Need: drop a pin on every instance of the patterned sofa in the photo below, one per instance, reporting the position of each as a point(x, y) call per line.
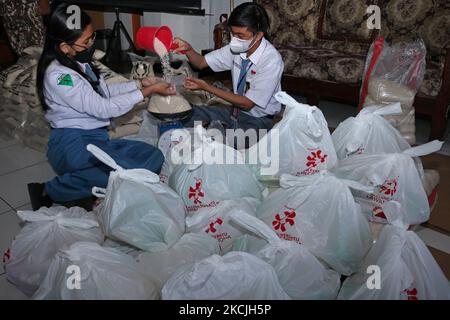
point(324, 44)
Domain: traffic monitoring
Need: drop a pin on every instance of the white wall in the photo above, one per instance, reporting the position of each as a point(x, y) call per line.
point(198, 31)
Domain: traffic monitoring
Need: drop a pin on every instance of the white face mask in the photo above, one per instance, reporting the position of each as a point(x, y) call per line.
point(238, 46)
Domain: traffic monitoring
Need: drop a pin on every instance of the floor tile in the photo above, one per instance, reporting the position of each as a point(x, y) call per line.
point(9, 292)
point(7, 142)
point(26, 207)
point(13, 186)
point(9, 227)
point(17, 157)
point(4, 207)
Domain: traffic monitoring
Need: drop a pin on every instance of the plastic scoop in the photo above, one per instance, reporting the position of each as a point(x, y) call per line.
point(145, 38)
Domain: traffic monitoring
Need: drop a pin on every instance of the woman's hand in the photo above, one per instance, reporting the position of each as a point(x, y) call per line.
point(183, 46)
point(150, 81)
point(164, 89)
point(195, 84)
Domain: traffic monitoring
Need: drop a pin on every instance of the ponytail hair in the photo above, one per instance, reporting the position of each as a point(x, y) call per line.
point(57, 32)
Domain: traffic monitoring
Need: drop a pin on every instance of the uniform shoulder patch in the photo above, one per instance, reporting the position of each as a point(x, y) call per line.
point(65, 80)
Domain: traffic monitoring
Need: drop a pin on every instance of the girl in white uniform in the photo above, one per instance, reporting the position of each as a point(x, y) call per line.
point(79, 106)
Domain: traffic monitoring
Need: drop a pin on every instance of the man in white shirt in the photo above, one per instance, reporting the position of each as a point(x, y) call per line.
point(256, 69)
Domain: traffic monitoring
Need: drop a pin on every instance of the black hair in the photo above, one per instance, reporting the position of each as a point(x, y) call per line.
point(250, 15)
point(57, 32)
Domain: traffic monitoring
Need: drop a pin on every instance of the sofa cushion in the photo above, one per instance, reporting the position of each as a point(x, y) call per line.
point(323, 64)
point(432, 80)
point(293, 22)
point(22, 23)
point(346, 20)
point(430, 19)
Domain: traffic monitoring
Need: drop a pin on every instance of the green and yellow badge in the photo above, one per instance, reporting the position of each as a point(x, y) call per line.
point(65, 80)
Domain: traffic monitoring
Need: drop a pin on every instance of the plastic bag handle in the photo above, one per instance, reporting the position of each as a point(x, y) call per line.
point(393, 211)
point(103, 156)
point(424, 149)
point(289, 180)
point(36, 216)
point(283, 98)
point(313, 127)
point(140, 175)
point(99, 192)
point(357, 186)
point(390, 109)
point(361, 131)
point(255, 225)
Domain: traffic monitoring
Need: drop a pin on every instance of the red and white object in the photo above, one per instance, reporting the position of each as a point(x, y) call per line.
point(303, 139)
point(401, 268)
point(301, 275)
point(216, 222)
point(369, 133)
point(320, 213)
point(395, 178)
point(203, 185)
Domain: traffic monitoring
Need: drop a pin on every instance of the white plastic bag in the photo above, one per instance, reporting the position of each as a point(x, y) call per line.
point(300, 274)
point(303, 137)
point(122, 247)
point(408, 271)
point(234, 276)
point(191, 247)
point(105, 274)
point(216, 222)
point(47, 231)
point(138, 209)
point(202, 185)
point(394, 177)
point(320, 213)
point(369, 133)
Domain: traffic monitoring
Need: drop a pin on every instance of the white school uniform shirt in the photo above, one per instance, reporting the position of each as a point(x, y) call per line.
point(264, 75)
point(73, 103)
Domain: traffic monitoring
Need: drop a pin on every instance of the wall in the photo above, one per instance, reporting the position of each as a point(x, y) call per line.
point(198, 31)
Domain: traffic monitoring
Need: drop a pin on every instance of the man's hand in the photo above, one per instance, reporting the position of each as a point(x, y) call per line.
point(183, 46)
point(164, 89)
point(149, 81)
point(195, 84)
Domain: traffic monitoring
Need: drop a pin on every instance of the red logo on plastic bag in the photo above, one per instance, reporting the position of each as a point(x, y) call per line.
point(411, 294)
point(7, 256)
point(389, 187)
point(315, 158)
point(196, 192)
point(378, 212)
point(212, 226)
point(280, 222)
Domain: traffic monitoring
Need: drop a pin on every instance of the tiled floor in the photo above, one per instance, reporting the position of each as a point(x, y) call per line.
point(20, 165)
